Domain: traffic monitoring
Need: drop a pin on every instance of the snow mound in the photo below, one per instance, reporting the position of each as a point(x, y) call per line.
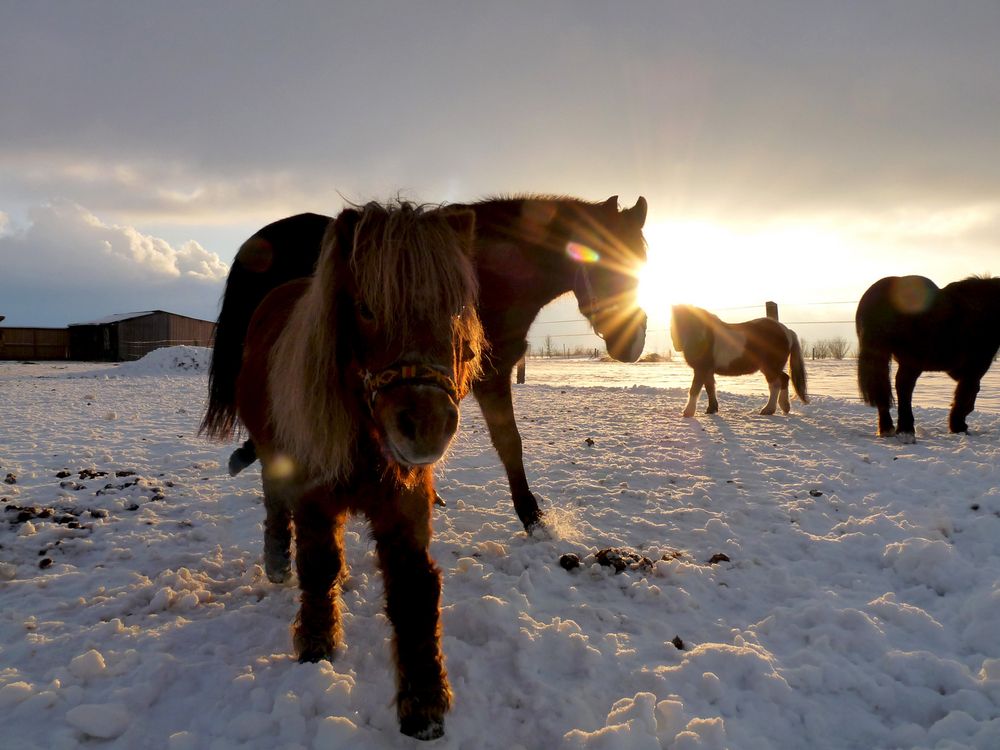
point(167, 360)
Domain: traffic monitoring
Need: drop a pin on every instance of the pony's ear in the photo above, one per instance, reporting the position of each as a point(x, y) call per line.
point(611, 204)
point(637, 214)
point(344, 227)
point(463, 223)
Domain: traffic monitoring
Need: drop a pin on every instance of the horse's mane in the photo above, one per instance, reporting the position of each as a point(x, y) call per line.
point(411, 266)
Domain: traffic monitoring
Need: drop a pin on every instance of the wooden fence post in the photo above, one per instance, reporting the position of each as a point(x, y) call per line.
point(520, 370)
point(771, 309)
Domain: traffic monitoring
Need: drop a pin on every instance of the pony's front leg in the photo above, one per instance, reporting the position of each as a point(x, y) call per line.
point(413, 602)
point(319, 561)
point(713, 402)
point(693, 393)
point(278, 497)
point(906, 381)
point(963, 404)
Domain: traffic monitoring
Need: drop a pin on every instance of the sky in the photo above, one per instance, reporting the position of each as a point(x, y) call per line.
point(789, 151)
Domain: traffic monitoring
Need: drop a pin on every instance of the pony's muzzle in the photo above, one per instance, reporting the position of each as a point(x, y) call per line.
point(625, 339)
point(419, 422)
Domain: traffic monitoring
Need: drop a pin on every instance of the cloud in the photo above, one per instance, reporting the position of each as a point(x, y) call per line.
point(67, 263)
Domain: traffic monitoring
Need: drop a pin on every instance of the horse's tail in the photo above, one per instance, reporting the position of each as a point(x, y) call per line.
point(797, 366)
point(873, 370)
point(280, 252)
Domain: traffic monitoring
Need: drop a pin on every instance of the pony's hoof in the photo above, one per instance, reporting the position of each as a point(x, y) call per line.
point(277, 573)
point(438, 500)
point(239, 459)
point(311, 647)
point(767, 412)
point(887, 433)
point(538, 530)
point(429, 729)
point(687, 414)
point(712, 410)
point(906, 438)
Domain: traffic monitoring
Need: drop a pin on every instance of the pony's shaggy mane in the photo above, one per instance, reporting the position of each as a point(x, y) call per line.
point(412, 267)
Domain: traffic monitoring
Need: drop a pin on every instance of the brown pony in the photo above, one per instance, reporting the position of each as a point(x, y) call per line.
point(713, 347)
point(529, 251)
point(349, 388)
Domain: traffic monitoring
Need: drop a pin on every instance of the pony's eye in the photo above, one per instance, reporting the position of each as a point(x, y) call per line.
point(364, 312)
point(467, 352)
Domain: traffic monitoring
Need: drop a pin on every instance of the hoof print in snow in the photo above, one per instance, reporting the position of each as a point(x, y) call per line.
point(132, 506)
point(92, 474)
point(125, 473)
point(717, 558)
point(10, 479)
point(623, 558)
point(816, 493)
point(63, 474)
point(678, 643)
point(69, 484)
point(589, 441)
point(569, 561)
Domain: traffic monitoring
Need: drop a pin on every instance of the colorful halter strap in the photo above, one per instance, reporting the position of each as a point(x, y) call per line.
point(407, 375)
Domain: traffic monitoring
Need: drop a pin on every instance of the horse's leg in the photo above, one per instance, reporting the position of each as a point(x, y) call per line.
point(412, 583)
point(495, 401)
point(693, 393)
point(783, 402)
point(963, 404)
point(906, 381)
point(277, 529)
point(713, 402)
point(774, 388)
point(319, 561)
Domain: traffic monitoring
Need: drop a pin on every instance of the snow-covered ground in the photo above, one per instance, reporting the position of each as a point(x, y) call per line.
point(857, 605)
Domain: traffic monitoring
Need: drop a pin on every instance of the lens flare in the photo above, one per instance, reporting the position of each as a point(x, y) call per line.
point(581, 253)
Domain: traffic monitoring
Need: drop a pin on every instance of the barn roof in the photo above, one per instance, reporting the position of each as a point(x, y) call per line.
point(116, 318)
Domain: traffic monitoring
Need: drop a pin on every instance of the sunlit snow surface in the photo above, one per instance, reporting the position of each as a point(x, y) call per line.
point(860, 607)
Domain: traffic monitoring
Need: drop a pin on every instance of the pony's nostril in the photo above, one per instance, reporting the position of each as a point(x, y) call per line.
point(451, 422)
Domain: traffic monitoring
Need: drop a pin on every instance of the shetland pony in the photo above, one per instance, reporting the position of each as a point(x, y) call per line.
point(908, 318)
point(529, 250)
point(713, 347)
point(349, 387)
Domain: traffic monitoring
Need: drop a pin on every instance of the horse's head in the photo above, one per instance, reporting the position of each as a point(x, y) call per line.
point(608, 250)
point(408, 297)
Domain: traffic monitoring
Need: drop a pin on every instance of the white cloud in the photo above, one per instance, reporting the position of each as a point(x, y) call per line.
point(65, 237)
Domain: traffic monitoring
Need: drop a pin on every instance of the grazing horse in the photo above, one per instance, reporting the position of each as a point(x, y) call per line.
point(349, 387)
point(922, 327)
point(529, 250)
point(713, 347)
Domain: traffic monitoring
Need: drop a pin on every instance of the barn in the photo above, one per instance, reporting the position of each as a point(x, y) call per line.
point(33, 343)
point(131, 336)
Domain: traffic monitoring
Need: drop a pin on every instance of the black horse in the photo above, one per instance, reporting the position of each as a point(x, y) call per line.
point(908, 318)
point(528, 251)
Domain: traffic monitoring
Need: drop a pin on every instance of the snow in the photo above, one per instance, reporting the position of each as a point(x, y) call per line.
point(859, 606)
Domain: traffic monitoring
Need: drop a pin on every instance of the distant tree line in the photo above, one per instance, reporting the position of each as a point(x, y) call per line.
point(835, 348)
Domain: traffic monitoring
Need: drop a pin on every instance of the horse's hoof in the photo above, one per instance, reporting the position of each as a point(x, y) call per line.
point(887, 433)
point(767, 412)
point(239, 459)
point(906, 438)
point(311, 647)
point(422, 729)
point(687, 414)
point(711, 410)
point(277, 574)
point(538, 530)
point(438, 500)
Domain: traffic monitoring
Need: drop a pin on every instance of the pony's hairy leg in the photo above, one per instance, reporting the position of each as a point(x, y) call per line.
point(963, 404)
point(693, 393)
point(713, 402)
point(774, 388)
point(413, 603)
point(783, 400)
point(497, 406)
point(319, 561)
point(279, 497)
point(906, 381)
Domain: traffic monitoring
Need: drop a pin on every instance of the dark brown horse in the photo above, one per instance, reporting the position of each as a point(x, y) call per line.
point(712, 347)
point(908, 318)
point(529, 251)
point(349, 386)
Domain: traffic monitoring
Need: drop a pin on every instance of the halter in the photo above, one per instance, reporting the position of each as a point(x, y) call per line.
point(592, 307)
point(397, 375)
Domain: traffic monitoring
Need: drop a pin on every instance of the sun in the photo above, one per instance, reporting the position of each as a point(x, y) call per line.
point(684, 265)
